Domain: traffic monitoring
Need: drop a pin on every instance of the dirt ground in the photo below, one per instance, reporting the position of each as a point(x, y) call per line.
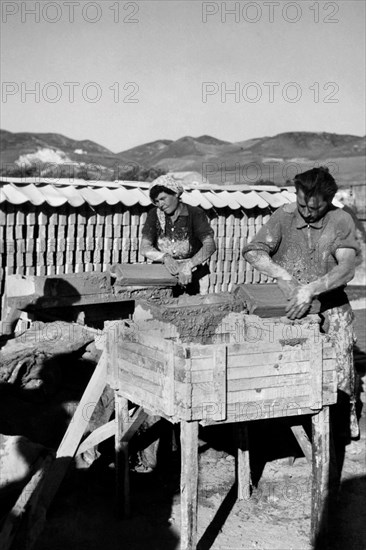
point(275, 517)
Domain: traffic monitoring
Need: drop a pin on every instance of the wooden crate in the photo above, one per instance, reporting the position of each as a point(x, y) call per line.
point(269, 368)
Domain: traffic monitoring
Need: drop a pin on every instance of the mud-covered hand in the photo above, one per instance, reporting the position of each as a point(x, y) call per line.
point(287, 287)
point(171, 264)
point(185, 272)
point(300, 302)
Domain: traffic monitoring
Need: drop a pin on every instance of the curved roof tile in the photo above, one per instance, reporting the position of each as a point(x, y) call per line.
point(291, 197)
point(203, 201)
point(90, 196)
point(33, 194)
point(214, 199)
point(110, 196)
point(143, 197)
point(128, 197)
point(190, 199)
point(53, 196)
point(74, 197)
point(273, 199)
point(250, 200)
point(230, 199)
point(12, 194)
point(58, 192)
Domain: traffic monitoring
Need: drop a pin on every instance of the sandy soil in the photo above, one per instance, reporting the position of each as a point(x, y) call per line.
point(275, 517)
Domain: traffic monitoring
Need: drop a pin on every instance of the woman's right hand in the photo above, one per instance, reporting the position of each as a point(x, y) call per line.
point(171, 264)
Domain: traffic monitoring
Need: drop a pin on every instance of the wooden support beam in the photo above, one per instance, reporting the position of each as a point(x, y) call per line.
point(97, 436)
point(244, 479)
point(189, 484)
point(25, 501)
point(82, 415)
point(122, 464)
point(303, 441)
point(66, 451)
point(320, 477)
point(108, 430)
point(316, 375)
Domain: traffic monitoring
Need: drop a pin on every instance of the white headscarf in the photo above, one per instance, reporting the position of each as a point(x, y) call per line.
point(169, 182)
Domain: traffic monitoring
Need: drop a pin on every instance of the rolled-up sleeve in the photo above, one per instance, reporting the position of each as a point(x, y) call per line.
point(346, 234)
point(268, 237)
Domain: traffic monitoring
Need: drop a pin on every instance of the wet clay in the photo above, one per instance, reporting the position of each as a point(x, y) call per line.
point(196, 318)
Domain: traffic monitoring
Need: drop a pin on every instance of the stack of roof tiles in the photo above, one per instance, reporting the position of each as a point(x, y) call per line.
point(52, 227)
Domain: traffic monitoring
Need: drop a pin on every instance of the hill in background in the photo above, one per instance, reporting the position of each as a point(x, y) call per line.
point(275, 158)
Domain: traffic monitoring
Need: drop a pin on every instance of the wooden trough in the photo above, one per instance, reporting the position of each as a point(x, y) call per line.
point(237, 369)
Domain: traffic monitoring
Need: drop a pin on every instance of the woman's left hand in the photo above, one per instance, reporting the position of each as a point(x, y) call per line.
point(185, 273)
point(300, 302)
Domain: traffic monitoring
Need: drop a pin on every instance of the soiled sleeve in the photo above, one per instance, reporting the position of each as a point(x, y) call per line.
point(269, 236)
point(346, 234)
point(149, 231)
point(201, 225)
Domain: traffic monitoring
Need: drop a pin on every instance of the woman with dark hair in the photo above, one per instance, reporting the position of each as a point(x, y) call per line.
point(177, 234)
point(310, 247)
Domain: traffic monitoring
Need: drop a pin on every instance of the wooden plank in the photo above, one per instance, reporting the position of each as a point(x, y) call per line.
point(122, 462)
point(142, 355)
point(167, 378)
point(275, 381)
point(259, 382)
point(246, 396)
point(320, 477)
point(151, 375)
point(316, 366)
point(97, 436)
point(244, 479)
point(204, 374)
point(268, 370)
point(219, 380)
point(24, 504)
point(303, 441)
point(189, 484)
point(69, 445)
point(127, 377)
point(260, 410)
point(152, 339)
point(253, 409)
point(183, 397)
point(203, 383)
point(87, 404)
point(266, 358)
point(143, 398)
point(250, 348)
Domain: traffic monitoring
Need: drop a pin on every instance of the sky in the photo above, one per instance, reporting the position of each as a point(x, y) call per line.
point(126, 73)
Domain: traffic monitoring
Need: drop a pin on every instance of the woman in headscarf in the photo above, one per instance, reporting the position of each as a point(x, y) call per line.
point(177, 234)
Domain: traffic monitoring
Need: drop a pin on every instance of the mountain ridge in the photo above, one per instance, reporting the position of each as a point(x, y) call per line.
point(195, 154)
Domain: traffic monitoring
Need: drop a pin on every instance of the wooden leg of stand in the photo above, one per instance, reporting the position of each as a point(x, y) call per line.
point(122, 464)
point(320, 477)
point(244, 479)
point(189, 484)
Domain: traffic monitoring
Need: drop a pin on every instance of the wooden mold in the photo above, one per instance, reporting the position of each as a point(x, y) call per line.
point(269, 368)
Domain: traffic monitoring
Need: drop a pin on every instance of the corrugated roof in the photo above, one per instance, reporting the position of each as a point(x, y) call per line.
point(78, 192)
